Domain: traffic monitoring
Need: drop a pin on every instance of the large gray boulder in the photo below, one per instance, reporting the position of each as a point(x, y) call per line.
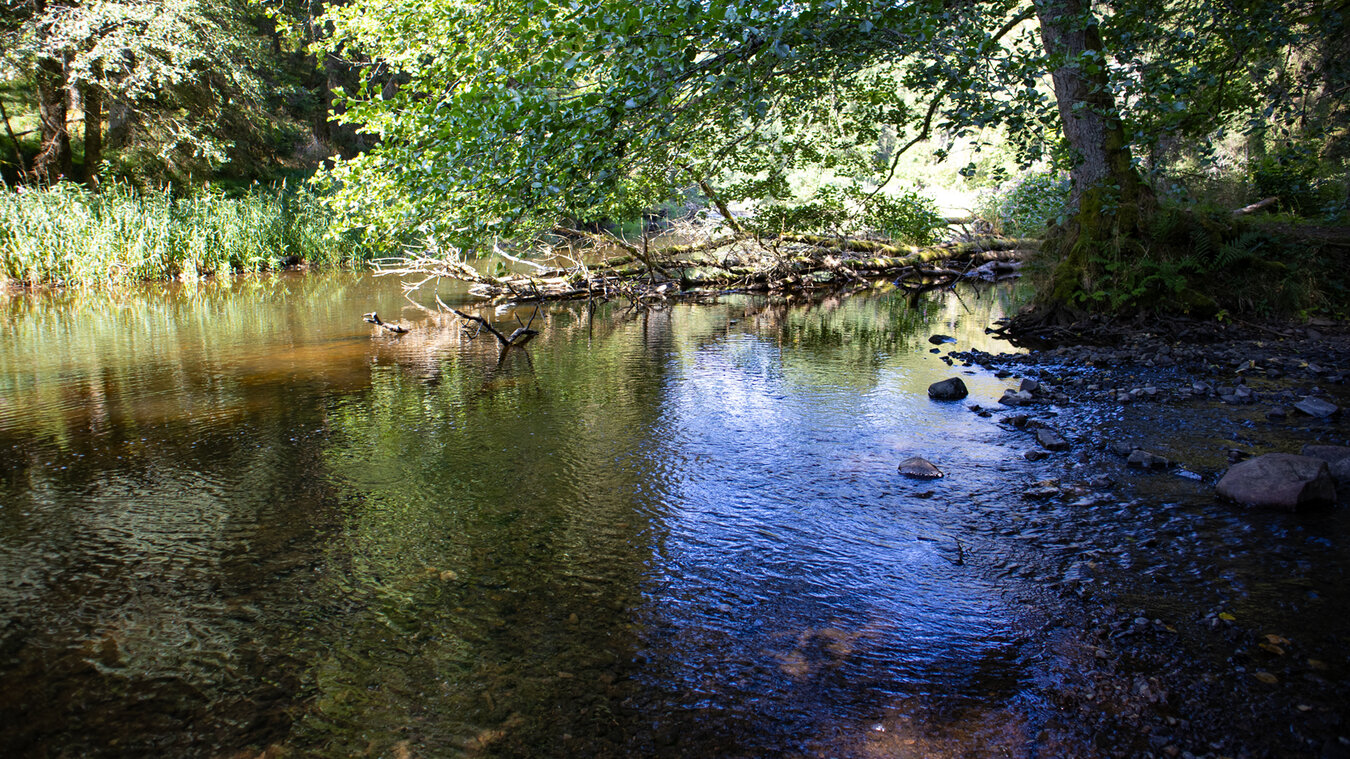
point(1338, 461)
point(948, 390)
point(1279, 480)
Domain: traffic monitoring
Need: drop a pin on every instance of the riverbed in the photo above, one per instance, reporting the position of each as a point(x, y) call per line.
point(238, 521)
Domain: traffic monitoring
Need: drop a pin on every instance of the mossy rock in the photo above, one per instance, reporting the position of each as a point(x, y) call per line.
point(1193, 302)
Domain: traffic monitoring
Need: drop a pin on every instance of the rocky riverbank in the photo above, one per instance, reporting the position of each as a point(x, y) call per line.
point(1180, 623)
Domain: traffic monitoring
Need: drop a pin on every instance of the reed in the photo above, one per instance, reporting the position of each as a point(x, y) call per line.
point(67, 235)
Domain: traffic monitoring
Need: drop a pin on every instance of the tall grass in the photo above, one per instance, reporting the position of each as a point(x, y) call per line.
point(68, 235)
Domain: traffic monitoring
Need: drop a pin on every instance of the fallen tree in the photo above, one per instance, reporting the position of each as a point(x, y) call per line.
point(738, 262)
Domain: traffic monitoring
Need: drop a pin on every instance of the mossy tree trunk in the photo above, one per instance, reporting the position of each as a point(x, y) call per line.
point(1109, 199)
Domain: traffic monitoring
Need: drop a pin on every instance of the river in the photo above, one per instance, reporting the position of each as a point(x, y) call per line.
point(237, 521)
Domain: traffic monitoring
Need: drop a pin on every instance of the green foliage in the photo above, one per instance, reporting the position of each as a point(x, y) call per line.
point(1023, 207)
point(1291, 176)
point(510, 115)
point(906, 218)
point(1132, 283)
point(172, 67)
point(1208, 263)
point(67, 235)
point(189, 89)
point(822, 215)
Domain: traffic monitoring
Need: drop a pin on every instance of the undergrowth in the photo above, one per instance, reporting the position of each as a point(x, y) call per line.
point(1208, 263)
point(67, 235)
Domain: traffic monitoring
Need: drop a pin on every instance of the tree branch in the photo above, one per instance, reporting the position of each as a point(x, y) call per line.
point(942, 94)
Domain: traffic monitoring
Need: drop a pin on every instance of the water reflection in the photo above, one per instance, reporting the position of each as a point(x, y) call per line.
point(235, 520)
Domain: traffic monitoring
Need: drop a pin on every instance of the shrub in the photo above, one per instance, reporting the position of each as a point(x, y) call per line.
point(1023, 207)
point(907, 218)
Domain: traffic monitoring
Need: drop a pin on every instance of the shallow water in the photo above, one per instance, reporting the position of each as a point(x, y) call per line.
point(234, 519)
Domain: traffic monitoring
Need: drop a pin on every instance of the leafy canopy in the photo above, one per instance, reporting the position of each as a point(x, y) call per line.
point(497, 119)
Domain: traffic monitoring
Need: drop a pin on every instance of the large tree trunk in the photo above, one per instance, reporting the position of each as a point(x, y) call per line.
point(53, 160)
point(1108, 198)
point(93, 134)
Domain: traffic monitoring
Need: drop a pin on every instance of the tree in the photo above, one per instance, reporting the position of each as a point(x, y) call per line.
point(512, 114)
point(171, 73)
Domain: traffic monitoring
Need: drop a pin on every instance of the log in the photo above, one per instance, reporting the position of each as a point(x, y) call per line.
point(374, 318)
point(1254, 207)
point(786, 262)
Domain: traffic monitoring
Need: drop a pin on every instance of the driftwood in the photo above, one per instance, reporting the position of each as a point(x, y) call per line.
point(744, 263)
point(374, 318)
point(516, 339)
point(717, 261)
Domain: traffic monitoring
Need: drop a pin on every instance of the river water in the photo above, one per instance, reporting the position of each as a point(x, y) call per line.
point(235, 520)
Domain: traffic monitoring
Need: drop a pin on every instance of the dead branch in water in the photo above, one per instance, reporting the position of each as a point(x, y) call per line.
point(517, 339)
point(720, 263)
point(374, 318)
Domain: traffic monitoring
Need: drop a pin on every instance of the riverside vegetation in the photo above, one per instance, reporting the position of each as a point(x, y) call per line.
point(484, 133)
point(68, 235)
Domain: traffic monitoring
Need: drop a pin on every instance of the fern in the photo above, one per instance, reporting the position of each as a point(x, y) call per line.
point(1241, 249)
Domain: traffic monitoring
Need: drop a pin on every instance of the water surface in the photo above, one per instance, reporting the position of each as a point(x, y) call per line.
point(234, 518)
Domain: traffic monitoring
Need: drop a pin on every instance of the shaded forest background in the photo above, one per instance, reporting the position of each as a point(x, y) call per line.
point(168, 92)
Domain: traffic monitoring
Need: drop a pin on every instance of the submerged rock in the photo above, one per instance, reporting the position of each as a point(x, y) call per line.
point(940, 339)
point(920, 468)
point(948, 390)
point(1142, 459)
point(1316, 407)
point(1279, 480)
point(1043, 489)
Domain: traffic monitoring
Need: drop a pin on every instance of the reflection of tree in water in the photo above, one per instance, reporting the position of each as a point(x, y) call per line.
point(166, 354)
point(510, 513)
point(500, 536)
point(320, 542)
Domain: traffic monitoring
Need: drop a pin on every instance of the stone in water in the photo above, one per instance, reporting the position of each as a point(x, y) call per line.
point(919, 468)
point(948, 390)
